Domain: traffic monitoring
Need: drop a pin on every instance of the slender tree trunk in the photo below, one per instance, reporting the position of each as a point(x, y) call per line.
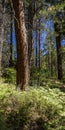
point(51, 56)
point(59, 54)
point(30, 37)
point(22, 46)
point(59, 57)
point(2, 32)
point(39, 44)
point(31, 12)
point(36, 46)
point(1, 47)
point(49, 61)
point(11, 44)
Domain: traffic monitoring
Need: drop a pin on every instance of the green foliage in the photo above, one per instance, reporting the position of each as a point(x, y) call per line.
point(10, 75)
point(37, 109)
point(42, 77)
point(37, 75)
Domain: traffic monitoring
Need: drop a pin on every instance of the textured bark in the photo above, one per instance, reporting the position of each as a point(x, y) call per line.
point(59, 54)
point(31, 12)
point(59, 57)
point(39, 44)
point(1, 45)
point(30, 29)
point(2, 31)
point(36, 47)
point(51, 56)
point(22, 47)
point(11, 41)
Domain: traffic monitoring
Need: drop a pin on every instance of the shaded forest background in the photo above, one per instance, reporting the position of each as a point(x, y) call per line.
point(45, 30)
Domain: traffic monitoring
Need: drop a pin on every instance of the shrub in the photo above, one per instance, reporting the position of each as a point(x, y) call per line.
point(10, 75)
point(37, 109)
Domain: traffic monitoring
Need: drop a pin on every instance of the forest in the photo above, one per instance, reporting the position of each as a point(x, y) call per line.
point(32, 64)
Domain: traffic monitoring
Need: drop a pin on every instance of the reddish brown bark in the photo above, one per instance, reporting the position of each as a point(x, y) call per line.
point(22, 46)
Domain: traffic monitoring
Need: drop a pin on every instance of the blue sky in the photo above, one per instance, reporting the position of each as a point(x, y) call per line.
point(49, 24)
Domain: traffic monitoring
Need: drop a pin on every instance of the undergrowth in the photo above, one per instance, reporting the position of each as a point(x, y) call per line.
point(37, 109)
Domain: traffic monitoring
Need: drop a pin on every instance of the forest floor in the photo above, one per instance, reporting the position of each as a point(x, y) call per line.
point(47, 83)
point(40, 108)
point(53, 83)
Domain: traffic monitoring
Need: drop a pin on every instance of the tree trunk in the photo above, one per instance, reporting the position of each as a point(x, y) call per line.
point(30, 29)
point(31, 12)
point(59, 57)
point(11, 44)
point(22, 46)
point(2, 32)
point(1, 45)
point(36, 46)
point(39, 44)
point(59, 53)
point(51, 56)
